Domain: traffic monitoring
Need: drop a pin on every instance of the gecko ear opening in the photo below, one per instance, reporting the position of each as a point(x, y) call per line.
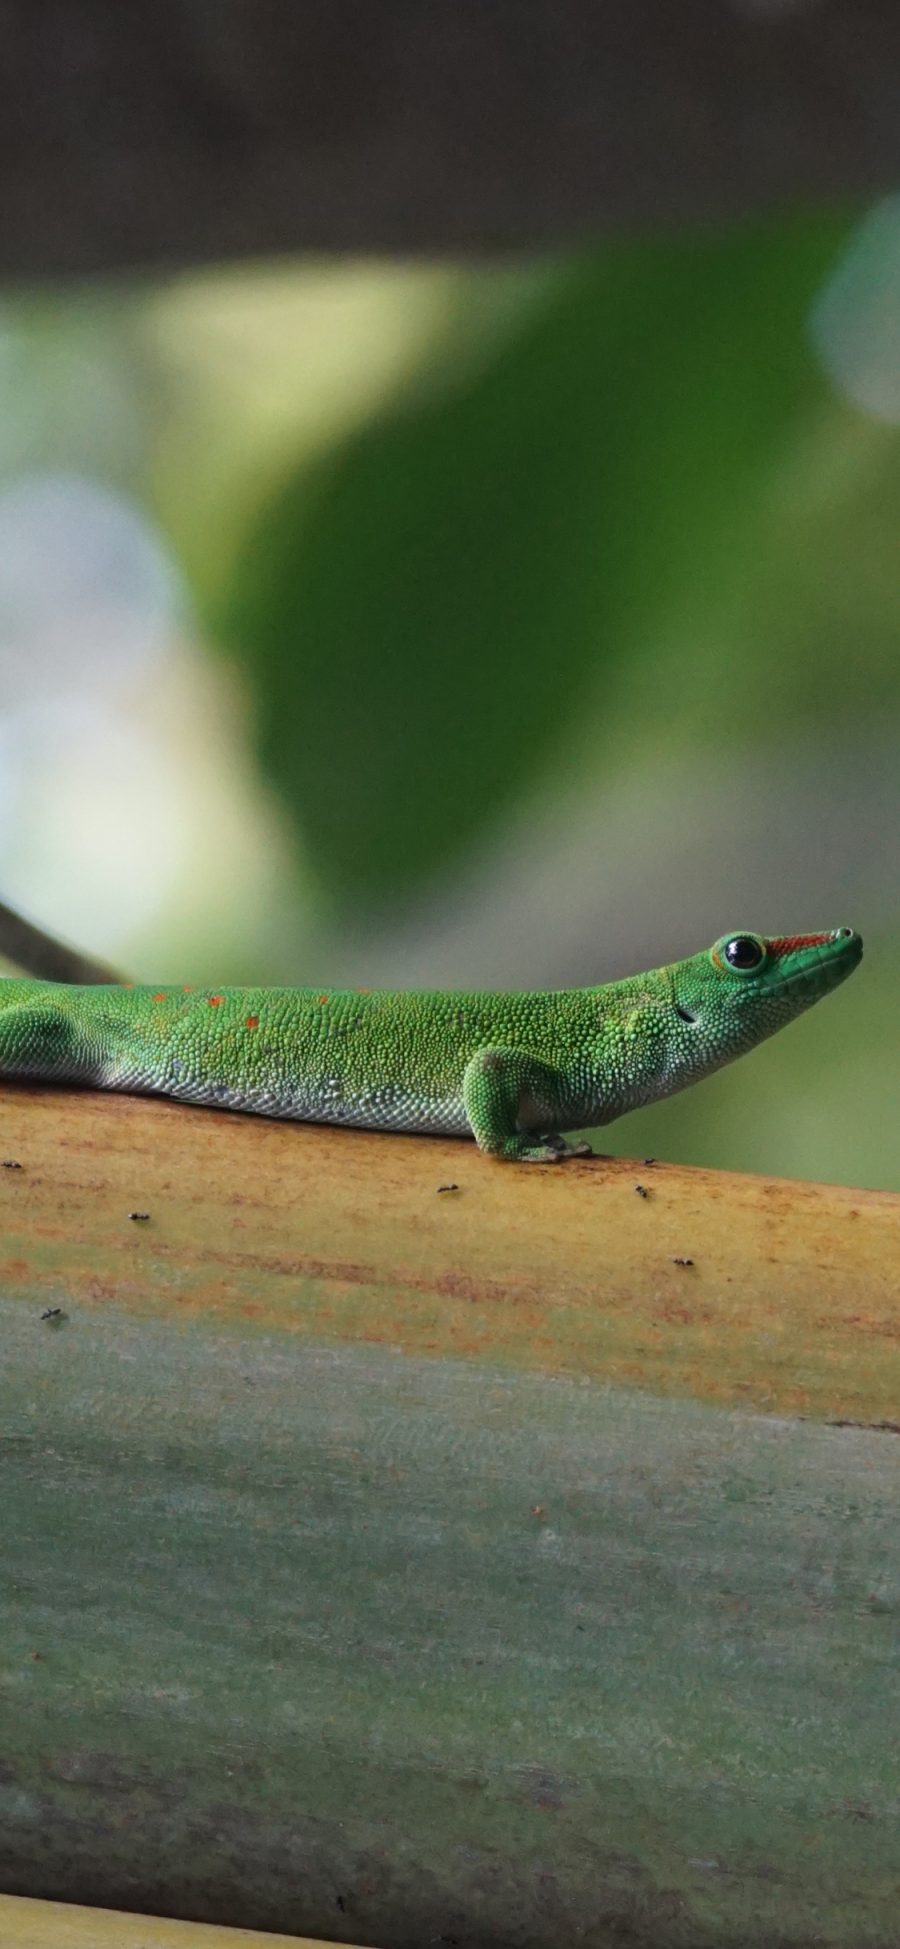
point(685, 1013)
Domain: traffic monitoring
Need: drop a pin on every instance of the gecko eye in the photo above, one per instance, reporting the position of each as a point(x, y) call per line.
point(744, 953)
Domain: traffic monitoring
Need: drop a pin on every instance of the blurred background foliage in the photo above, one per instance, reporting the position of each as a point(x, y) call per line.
point(513, 625)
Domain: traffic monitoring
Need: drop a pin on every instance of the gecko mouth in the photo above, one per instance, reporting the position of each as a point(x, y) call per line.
point(845, 951)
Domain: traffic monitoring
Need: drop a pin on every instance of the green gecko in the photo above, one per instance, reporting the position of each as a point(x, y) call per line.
point(513, 1070)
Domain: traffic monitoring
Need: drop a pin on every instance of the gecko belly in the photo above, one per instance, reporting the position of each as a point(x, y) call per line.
point(385, 1109)
point(388, 1107)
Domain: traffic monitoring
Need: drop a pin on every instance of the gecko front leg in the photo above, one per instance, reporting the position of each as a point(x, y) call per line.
point(507, 1095)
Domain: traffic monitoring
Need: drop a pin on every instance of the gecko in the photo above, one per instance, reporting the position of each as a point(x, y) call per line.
point(514, 1070)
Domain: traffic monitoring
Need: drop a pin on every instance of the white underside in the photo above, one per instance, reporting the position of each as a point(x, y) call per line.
point(384, 1109)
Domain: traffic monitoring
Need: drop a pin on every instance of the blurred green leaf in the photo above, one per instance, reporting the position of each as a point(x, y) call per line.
point(429, 609)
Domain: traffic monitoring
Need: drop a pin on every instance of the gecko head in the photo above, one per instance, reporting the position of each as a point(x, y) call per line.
point(748, 985)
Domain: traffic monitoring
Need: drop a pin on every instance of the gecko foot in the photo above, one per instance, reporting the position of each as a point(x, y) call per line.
point(549, 1150)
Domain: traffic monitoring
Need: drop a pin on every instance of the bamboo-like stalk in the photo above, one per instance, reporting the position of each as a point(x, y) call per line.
point(29, 1924)
point(401, 1546)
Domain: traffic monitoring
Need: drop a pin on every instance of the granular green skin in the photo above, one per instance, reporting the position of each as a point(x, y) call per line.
point(514, 1070)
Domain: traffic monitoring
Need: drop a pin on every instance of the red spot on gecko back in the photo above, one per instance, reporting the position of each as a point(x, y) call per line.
point(187, 989)
point(215, 1001)
point(251, 1022)
point(158, 998)
point(364, 991)
point(791, 943)
point(324, 998)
